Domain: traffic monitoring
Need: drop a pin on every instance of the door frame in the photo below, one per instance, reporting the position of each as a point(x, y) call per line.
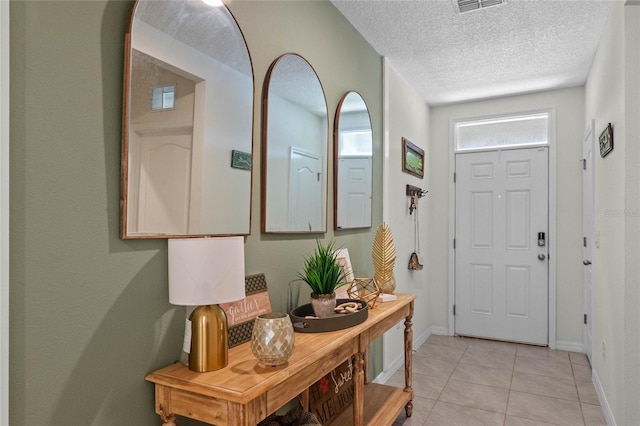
point(4, 211)
point(589, 133)
point(551, 240)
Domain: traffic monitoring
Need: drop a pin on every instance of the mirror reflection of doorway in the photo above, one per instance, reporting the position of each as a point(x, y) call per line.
point(164, 181)
point(354, 192)
point(163, 153)
point(295, 137)
point(305, 191)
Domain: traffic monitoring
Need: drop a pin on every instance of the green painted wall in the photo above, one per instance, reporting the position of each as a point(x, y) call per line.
point(89, 313)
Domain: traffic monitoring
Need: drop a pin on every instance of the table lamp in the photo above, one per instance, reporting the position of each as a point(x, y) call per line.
point(204, 272)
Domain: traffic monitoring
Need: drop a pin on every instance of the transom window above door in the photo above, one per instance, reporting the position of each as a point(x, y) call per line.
point(355, 142)
point(502, 132)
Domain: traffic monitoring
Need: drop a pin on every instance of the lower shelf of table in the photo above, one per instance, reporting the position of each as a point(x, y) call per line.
point(382, 405)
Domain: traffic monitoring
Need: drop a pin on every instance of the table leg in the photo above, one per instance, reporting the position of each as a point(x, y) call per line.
point(168, 419)
point(408, 358)
point(358, 390)
point(304, 399)
point(366, 367)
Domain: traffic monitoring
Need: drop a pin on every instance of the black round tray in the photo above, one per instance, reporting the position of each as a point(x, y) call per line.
point(332, 323)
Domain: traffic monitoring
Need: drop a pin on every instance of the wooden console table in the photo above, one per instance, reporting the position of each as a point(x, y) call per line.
point(246, 392)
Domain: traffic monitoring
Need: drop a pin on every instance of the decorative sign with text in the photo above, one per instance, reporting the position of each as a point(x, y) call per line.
point(242, 314)
point(332, 394)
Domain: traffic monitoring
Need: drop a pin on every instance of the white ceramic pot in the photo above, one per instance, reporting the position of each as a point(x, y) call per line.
point(323, 304)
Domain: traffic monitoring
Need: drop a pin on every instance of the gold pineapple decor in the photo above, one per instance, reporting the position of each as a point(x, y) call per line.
point(384, 259)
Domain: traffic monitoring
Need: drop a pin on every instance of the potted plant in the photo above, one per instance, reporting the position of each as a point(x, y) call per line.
point(323, 274)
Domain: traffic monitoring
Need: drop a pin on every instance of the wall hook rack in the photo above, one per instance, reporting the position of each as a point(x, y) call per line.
point(414, 190)
point(415, 193)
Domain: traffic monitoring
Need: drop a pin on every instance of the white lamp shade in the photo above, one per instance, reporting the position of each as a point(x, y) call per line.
point(206, 271)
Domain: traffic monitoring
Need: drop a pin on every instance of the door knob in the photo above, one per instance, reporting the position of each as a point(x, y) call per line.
point(541, 256)
point(586, 262)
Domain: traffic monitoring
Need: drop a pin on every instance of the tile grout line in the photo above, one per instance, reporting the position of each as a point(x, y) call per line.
point(468, 348)
point(575, 382)
point(449, 379)
point(513, 371)
point(446, 383)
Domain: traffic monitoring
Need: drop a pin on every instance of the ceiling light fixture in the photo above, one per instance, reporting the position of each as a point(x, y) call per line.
point(213, 3)
point(462, 6)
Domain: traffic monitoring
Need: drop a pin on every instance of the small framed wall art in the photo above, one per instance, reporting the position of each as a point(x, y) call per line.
point(606, 141)
point(343, 259)
point(240, 160)
point(412, 159)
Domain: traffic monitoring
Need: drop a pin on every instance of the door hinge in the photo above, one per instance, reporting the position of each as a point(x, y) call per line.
point(454, 310)
point(454, 243)
point(585, 318)
point(584, 164)
point(584, 241)
point(454, 177)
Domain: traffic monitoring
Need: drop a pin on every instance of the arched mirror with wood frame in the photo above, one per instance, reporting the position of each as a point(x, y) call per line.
point(294, 148)
point(353, 162)
point(188, 122)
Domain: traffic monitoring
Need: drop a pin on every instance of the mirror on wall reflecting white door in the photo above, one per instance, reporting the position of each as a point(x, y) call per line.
point(294, 148)
point(188, 115)
point(353, 158)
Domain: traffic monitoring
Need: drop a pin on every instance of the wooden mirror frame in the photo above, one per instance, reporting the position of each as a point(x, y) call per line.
point(336, 165)
point(211, 219)
point(324, 150)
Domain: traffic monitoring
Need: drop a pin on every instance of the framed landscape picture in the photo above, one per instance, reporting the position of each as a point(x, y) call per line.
point(412, 159)
point(606, 141)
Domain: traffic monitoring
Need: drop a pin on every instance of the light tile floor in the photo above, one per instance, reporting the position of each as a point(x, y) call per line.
point(468, 382)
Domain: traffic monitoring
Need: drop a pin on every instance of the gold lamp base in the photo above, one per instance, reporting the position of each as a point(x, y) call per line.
point(209, 347)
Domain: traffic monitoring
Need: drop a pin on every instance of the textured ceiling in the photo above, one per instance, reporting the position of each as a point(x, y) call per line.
point(520, 46)
point(293, 79)
point(211, 30)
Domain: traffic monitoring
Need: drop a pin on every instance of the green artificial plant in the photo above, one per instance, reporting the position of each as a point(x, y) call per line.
point(322, 272)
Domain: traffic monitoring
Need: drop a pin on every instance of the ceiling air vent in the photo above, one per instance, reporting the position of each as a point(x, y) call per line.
point(469, 5)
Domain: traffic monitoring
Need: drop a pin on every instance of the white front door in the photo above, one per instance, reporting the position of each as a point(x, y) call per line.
point(305, 191)
point(501, 267)
point(588, 233)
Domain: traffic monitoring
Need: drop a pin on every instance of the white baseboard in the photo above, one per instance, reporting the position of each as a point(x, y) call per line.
point(569, 346)
point(386, 374)
point(421, 339)
point(399, 360)
point(440, 331)
point(606, 408)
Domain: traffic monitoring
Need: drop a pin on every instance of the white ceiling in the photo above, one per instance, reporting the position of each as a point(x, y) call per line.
point(518, 47)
